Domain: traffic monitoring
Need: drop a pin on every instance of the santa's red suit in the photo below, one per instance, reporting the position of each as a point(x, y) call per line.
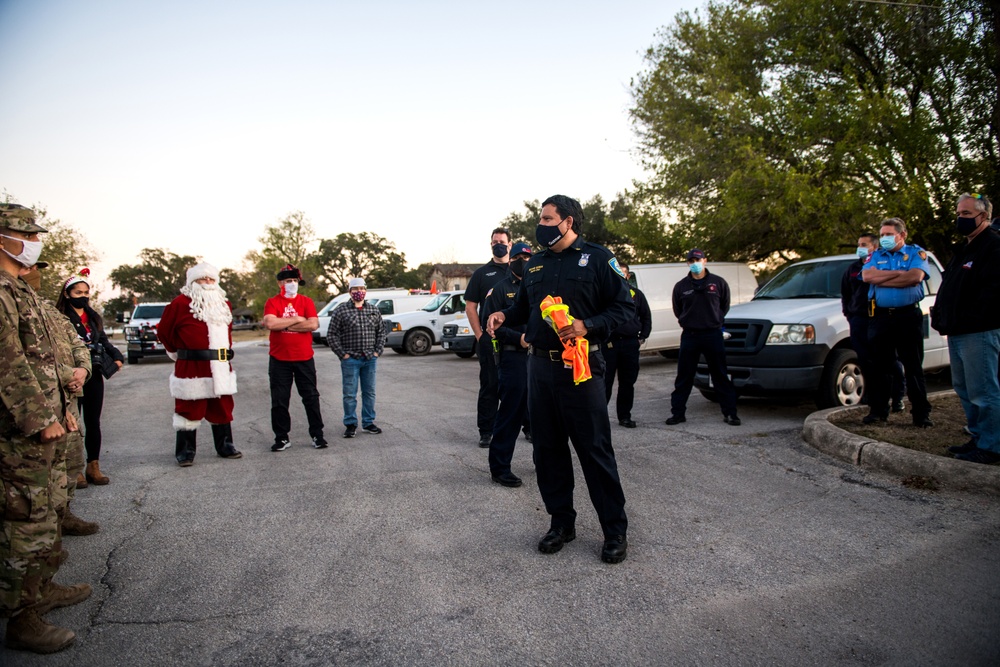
point(202, 388)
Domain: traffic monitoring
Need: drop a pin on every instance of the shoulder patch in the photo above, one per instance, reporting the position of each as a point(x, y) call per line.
point(488, 293)
point(613, 263)
point(923, 254)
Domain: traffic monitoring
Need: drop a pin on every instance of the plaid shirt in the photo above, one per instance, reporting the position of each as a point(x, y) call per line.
point(358, 332)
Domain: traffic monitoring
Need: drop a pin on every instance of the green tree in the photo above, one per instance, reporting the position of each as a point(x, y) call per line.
point(159, 276)
point(774, 126)
point(365, 255)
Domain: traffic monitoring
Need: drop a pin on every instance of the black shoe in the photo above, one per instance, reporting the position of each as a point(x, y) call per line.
point(732, 420)
point(371, 428)
point(897, 406)
point(280, 446)
point(350, 430)
point(627, 423)
point(527, 434)
point(922, 422)
point(673, 420)
point(963, 449)
point(485, 440)
point(976, 456)
point(319, 443)
point(554, 540)
point(873, 418)
point(507, 479)
point(615, 549)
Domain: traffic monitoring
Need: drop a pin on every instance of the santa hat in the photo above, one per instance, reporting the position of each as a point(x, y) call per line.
point(203, 270)
point(81, 276)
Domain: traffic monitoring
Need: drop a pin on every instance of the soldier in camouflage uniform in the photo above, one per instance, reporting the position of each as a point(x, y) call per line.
point(33, 419)
point(69, 462)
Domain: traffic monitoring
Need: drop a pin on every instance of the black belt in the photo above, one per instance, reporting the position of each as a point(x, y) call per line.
point(551, 355)
point(513, 348)
point(896, 309)
point(222, 354)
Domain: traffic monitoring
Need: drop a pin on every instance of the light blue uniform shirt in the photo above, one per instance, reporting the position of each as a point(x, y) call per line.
point(906, 258)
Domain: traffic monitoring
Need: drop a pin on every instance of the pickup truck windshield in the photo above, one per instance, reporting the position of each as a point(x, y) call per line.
point(148, 312)
point(436, 302)
point(819, 280)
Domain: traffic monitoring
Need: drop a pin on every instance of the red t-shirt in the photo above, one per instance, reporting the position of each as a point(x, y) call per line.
point(291, 345)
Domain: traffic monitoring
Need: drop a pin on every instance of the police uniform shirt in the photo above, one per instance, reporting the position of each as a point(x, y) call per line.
point(906, 258)
point(499, 298)
point(482, 281)
point(590, 282)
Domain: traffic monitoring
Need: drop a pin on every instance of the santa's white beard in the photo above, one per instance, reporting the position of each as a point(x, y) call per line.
point(208, 303)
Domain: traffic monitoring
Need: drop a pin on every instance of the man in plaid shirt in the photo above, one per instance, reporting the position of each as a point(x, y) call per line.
point(357, 336)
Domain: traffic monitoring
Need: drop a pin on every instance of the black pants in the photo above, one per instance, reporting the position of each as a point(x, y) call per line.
point(622, 358)
point(897, 333)
point(563, 412)
point(859, 341)
point(512, 378)
point(694, 344)
point(91, 405)
point(281, 374)
point(486, 408)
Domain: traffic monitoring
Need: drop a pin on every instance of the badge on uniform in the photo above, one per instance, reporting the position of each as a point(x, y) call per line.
point(906, 258)
point(613, 263)
point(584, 259)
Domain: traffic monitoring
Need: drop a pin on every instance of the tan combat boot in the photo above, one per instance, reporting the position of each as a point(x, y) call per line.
point(55, 596)
point(74, 525)
point(81, 481)
point(94, 474)
point(28, 631)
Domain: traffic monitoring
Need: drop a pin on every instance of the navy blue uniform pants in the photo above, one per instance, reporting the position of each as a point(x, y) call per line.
point(892, 333)
point(486, 408)
point(281, 375)
point(562, 412)
point(859, 342)
point(708, 342)
point(622, 359)
point(512, 379)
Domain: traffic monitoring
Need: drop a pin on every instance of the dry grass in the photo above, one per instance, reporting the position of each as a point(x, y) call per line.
point(946, 412)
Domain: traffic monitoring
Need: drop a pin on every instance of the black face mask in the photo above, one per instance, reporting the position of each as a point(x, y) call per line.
point(965, 226)
point(78, 301)
point(500, 250)
point(547, 235)
point(517, 267)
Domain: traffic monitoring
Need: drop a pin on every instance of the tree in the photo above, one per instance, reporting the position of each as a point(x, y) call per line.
point(794, 125)
point(159, 276)
point(365, 255)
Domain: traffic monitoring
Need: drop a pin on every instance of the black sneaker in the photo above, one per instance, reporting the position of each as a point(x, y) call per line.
point(485, 439)
point(732, 420)
point(897, 406)
point(980, 456)
point(371, 428)
point(319, 443)
point(673, 420)
point(350, 431)
point(280, 446)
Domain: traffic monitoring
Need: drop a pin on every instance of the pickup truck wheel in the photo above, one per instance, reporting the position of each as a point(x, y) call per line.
point(418, 343)
point(132, 359)
point(399, 350)
point(842, 382)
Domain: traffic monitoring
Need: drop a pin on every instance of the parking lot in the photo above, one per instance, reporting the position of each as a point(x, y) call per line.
point(746, 546)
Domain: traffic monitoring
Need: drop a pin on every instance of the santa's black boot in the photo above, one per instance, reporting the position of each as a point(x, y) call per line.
point(186, 445)
point(223, 435)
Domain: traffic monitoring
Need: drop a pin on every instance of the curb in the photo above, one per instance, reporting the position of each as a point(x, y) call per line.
point(951, 474)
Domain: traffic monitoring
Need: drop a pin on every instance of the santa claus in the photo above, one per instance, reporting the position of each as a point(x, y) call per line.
point(196, 330)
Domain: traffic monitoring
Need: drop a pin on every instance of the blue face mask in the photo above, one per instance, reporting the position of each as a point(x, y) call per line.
point(888, 242)
point(696, 267)
point(863, 253)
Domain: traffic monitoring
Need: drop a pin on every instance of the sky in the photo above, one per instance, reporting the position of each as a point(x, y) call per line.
point(190, 126)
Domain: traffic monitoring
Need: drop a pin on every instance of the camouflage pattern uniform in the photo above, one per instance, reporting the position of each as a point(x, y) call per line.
point(32, 398)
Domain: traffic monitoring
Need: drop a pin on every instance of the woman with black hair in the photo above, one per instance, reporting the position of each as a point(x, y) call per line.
point(74, 301)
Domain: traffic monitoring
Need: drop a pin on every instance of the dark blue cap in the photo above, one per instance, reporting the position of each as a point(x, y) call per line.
point(520, 248)
point(694, 253)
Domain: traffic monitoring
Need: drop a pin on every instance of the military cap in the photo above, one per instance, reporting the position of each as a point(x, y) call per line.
point(19, 218)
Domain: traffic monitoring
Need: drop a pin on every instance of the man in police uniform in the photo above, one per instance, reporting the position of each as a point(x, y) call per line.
point(591, 283)
point(621, 353)
point(512, 371)
point(33, 419)
point(895, 274)
point(482, 281)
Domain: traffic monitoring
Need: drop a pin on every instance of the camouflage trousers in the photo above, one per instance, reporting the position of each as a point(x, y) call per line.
point(29, 541)
point(68, 463)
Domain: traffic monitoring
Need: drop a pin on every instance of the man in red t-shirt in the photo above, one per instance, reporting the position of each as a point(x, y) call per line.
point(291, 318)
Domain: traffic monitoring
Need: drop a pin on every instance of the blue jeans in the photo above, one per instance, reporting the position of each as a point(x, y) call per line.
point(974, 359)
point(353, 370)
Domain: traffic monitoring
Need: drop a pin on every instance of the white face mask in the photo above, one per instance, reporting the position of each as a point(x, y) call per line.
point(291, 289)
point(30, 253)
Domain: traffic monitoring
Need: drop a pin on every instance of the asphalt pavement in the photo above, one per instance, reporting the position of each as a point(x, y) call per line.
point(747, 546)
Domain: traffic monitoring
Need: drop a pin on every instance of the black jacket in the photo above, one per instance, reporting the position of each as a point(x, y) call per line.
point(854, 291)
point(968, 299)
point(95, 339)
point(702, 304)
point(640, 324)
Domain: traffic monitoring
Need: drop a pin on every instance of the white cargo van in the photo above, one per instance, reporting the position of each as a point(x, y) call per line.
point(657, 282)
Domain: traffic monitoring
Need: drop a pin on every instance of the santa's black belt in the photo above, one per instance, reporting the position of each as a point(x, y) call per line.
point(222, 354)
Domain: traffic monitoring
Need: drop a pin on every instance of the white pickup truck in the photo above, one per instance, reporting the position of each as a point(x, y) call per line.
point(418, 331)
point(793, 339)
